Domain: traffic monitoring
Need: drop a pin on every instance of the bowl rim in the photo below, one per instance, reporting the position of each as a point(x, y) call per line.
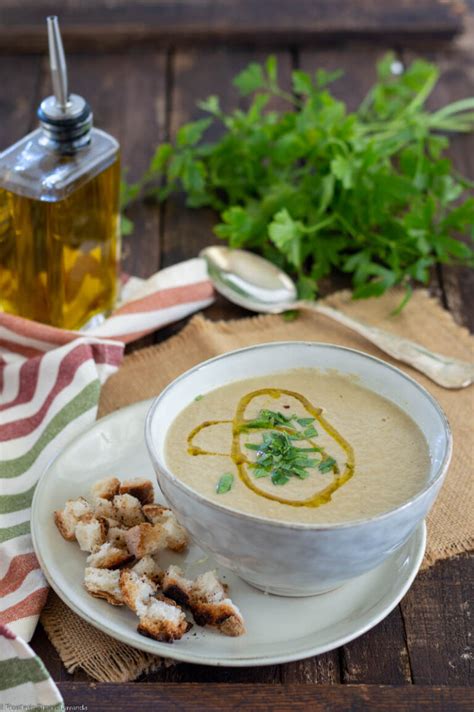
point(271, 522)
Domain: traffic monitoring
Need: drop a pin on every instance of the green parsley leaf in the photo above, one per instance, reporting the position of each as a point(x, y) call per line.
point(199, 397)
point(225, 483)
point(305, 421)
point(327, 465)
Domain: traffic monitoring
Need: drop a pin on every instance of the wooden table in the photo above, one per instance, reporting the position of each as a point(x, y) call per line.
point(143, 69)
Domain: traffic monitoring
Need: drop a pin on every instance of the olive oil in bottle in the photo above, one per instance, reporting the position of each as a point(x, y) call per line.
point(59, 212)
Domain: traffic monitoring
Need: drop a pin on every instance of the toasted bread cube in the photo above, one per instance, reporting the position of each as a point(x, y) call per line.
point(106, 488)
point(66, 519)
point(90, 532)
point(128, 510)
point(140, 488)
point(210, 606)
point(145, 539)
point(136, 590)
point(223, 615)
point(147, 566)
point(176, 586)
point(104, 583)
point(155, 513)
point(104, 508)
point(163, 620)
point(116, 536)
point(208, 588)
point(176, 535)
point(108, 556)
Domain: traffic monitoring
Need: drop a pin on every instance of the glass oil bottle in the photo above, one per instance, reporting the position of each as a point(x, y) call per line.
point(59, 212)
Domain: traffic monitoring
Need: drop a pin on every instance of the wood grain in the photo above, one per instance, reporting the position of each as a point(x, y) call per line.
point(437, 613)
point(97, 25)
point(19, 79)
point(101, 697)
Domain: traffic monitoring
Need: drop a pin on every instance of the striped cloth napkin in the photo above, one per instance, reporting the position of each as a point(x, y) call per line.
point(50, 381)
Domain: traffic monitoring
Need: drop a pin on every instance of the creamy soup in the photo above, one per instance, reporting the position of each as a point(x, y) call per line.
point(300, 446)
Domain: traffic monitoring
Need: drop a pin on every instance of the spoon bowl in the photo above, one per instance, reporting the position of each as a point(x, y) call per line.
point(249, 280)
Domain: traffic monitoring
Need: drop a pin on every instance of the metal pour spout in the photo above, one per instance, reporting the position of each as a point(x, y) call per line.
point(57, 63)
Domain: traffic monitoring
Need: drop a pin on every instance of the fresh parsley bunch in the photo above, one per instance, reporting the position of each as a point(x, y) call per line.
point(316, 188)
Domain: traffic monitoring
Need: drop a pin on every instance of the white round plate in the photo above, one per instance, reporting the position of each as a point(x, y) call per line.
point(278, 629)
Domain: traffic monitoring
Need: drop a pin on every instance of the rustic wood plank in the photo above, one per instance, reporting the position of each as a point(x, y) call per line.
point(168, 22)
point(322, 669)
point(263, 698)
point(380, 656)
point(19, 79)
point(437, 616)
point(456, 82)
point(185, 673)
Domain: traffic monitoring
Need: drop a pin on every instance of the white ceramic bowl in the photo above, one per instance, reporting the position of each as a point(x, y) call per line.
point(286, 558)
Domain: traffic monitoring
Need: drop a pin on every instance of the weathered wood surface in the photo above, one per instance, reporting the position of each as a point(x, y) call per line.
point(142, 97)
point(100, 24)
point(268, 698)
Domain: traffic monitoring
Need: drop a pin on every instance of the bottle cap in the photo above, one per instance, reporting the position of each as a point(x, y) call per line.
point(66, 118)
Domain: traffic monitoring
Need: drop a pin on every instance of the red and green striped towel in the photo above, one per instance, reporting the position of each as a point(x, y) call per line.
point(50, 381)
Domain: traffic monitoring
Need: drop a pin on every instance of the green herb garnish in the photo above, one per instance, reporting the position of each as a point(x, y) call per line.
point(304, 421)
point(225, 483)
point(316, 188)
point(326, 465)
point(279, 459)
point(268, 419)
point(199, 397)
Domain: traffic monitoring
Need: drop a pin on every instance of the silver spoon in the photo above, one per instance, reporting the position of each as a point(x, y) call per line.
point(256, 284)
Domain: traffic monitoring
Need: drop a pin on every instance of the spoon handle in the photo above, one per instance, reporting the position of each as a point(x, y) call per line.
point(447, 372)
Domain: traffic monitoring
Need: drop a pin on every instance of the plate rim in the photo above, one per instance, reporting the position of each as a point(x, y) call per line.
point(417, 540)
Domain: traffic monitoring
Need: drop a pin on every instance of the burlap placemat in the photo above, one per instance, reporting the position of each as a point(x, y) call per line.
point(145, 373)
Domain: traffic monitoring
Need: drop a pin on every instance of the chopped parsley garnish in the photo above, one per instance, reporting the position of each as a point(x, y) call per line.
point(268, 419)
point(328, 464)
point(277, 456)
point(279, 459)
point(225, 483)
point(199, 397)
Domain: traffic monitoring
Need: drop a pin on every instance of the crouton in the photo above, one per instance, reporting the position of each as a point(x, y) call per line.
point(147, 566)
point(116, 536)
point(104, 508)
point(163, 620)
point(136, 590)
point(108, 556)
point(140, 488)
point(176, 586)
point(145, 539)
point(90, 532)
point(223, 615)
point(128, 510)
point(103, 583)
point(210, 606)
point(106, 488)
point(155, 513)
point(176, 535)
point(66, 519)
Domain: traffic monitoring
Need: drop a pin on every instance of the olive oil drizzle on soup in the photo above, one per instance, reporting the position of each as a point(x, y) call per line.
point(300, 445)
